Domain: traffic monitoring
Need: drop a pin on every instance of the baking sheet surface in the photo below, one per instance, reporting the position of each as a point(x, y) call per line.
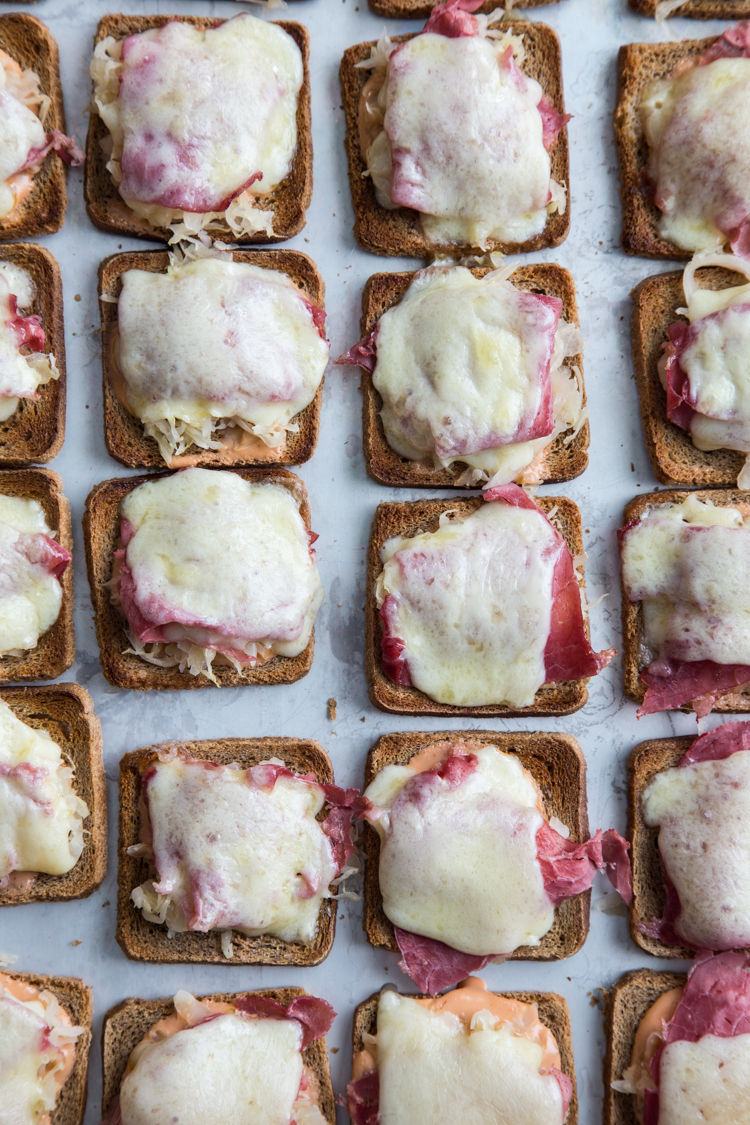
point(78, 938)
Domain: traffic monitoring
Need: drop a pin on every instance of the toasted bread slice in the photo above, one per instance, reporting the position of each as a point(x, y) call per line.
point(127, 1023)
point(66, 713)
point(30, 42)
point(649, 897)
point(289, 201)
point(625, 1005)
point(77, 1000)
point(36, 430)
point(56, 649)
point(123, 432)
point(556, 763)
point(735, 702)
point(638, 64)
point(399, 233)
point(674, 458)
point(382, 291)
point(101, 532)
point(420, 10)
point(698, 9)
point(409, 519)
point(553, 1013)
point(145, 941)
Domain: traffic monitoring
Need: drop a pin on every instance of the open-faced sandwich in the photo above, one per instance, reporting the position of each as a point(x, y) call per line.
point(469, 1055)
point(257, 1056)
point(459, 133)
point(472, 376)
point(238, 163)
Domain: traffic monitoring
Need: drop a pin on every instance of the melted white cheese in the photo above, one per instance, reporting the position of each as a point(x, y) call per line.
point(20, 131)
point(698, 132)
point(214, 339)
point(433, 1068)
point(688, 564)
point(445, 98)
point(41, 818)
point(20, 375)
point(705, 1083)
point(213, 547)
point(473, 604)
point(255, 861)
point(227, 1071)
point(30, 597)
point(460, 865)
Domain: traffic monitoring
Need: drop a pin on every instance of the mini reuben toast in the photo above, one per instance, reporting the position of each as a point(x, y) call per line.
point(32, 355)
point(267, 1048)
point(243, 170)
point(684, 596)
point(421, 9)
point(472, 1055)
point(53, 795)
point(181, 388)
point(237, 603)
point(684, 159)
point(496, 352)
point(230, 852)
point(678, 1046)
point(691, 350)
point(37, 641)
point(690, 829)
point(32, 179)
point(434, 645)
point(693, 9)
point(428, 186)
point(444, 885)
point(45, 1031)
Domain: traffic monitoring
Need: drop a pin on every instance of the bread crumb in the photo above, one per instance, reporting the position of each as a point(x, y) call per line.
point(77, 297)
point(332, 709)
point(105, 904)
point(75, 943)
point(334, 1050)
point(362, 719)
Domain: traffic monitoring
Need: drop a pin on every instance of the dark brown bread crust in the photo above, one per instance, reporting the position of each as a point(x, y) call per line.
point(123, 433)
point(101, 531)
point(30, 42)
point(399, 233)
point(66, 713)
point(699, 9)
point(649, 897)
point(35, 431)
point(381, 292)
point(556, 763)
point(56, 649)
point(127, 1023)
point(77, 1000)
point(289, 201)
point(408, 519)
point(553, 1013)
point(145, 941)
point(735, 702)
point(625, 1005)
point(418, 9)
point(638, 64)
point(674, 458)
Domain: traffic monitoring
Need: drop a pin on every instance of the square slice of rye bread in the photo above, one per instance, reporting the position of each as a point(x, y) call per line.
point(399, 233)
point(27, 40)
point(649, 897)
point(101, 534)
point(66, 713)
point(553, 1013)
point(674, 458)
point(78, 1001)
point(625, 1005)
point(699, 9)
point(735, 702)
point(56, 649)
point(381, 292)
point(288, 201)
point(409, 519)
point(556, 763)
point(123, 433)
point(418, 9)
point(127, 1023)
point(36, 430)
point(146, 941)
point(637, 65)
